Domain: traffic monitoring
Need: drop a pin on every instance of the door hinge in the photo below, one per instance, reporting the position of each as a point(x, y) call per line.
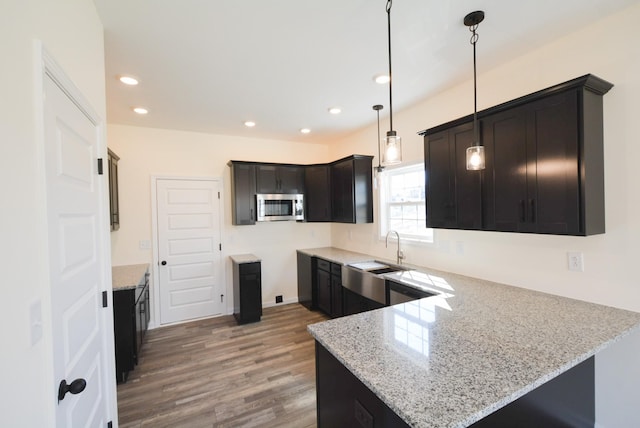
point(110, 424)
point(220, 247)
point(218, 195)
point(100, 166)
point(105, 301)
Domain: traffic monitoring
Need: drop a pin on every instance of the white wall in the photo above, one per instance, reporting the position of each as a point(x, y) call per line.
point(71, 31)
point(609, 50)
point(147, 152)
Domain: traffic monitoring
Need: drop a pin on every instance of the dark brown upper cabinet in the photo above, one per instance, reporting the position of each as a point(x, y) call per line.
point(544, 165)
point(279, 178)
point(243, 189)
point(114, 202)
point(351, 190)
point(317, 180)
point(456, 200)
point(339, 191)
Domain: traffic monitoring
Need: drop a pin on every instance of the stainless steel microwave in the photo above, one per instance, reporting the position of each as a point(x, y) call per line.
point(275, 207)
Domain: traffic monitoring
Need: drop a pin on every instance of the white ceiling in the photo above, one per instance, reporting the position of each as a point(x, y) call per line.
point(210, 65)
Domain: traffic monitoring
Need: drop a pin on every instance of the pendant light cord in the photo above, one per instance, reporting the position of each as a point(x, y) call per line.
point(389, 4)
point(473, 41)
point(379, 166)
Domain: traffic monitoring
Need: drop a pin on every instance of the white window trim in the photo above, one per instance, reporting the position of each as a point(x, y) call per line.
point(383, 210)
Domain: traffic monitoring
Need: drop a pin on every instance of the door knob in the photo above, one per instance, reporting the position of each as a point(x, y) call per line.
point(76, 387)
point(164, 262)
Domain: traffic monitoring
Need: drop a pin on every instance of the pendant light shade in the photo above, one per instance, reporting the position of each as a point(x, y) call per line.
point(475, 154)
point(392, 143)
point(393, 149)
point(377, 108)
point(475, 158)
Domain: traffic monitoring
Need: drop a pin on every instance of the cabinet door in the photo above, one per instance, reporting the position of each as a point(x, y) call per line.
point(336, 297)
point(362, 177)
point(505, 140)
point(454, 194)
point(324, 291)
point(267, 179)
point(250, 296)
point(306, 290)
point(336, 290)
point(279, 179)
point(351, 302)
point(532, 157)
point(318, 193)
point(291, 179)
point(114, 203)
point(553, 194)
point(468, 188)
point(439, 181)
point(342, 207)
point(124, 326)
point(243, 182)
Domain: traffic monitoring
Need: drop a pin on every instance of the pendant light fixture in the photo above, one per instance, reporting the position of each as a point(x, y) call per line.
point(377, 108)
point(475, 153)
point(392, 143)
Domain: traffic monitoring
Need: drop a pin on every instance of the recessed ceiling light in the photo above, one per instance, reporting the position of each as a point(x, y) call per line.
point(128, 80)
point(140, 110)
point(305, 130)
point(335, 110)
point(381, 78)
point(249, 124)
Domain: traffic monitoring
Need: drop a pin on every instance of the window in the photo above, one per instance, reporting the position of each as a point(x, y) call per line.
point(402, 203)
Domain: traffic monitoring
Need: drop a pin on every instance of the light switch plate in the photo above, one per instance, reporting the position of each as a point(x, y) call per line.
point(145, 244)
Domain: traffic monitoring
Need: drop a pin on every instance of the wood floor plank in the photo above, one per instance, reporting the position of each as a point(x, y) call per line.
point(215, 373)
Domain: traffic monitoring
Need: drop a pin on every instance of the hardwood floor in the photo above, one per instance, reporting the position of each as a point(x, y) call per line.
point(215, 373)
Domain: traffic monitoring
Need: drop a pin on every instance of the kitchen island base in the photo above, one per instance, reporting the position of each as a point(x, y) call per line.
point(567, 400)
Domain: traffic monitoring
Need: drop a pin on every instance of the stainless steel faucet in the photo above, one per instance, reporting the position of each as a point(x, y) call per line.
point(399, 253)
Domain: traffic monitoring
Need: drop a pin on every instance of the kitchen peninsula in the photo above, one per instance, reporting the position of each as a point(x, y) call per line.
point(468, 356)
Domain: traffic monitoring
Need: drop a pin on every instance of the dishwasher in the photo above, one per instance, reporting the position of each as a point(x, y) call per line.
point(399, 293)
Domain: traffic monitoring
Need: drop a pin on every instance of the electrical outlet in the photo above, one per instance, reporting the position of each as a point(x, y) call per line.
point(279, 298)
point(575, 261)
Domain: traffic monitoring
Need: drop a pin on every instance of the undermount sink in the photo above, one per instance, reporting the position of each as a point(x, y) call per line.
point(365, 278)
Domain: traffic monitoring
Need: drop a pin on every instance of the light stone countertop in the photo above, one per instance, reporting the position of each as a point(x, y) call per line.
point(337, 255)
point(244, 258)
point(128, 276)
point(450, 361)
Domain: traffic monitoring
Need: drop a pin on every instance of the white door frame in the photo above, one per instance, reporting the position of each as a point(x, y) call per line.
point(46, 65)
point(154, 290)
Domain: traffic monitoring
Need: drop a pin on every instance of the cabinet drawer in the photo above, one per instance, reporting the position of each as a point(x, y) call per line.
point(324, 265)
point(249, 268)
point(336, 269)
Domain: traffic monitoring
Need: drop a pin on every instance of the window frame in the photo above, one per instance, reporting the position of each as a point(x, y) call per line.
point(383, 180)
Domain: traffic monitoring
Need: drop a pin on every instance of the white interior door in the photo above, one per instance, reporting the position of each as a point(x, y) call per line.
point(190, 269)
point(74, 192)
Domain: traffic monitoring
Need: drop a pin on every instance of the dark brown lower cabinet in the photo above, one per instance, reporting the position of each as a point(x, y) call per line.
point(565, 401)
point(329, 288)
point(130, 323)
point(247, 292)
point(344, 401)
point(306, 280)
point(323, 274)
point(354, 303)
point(336, 295)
